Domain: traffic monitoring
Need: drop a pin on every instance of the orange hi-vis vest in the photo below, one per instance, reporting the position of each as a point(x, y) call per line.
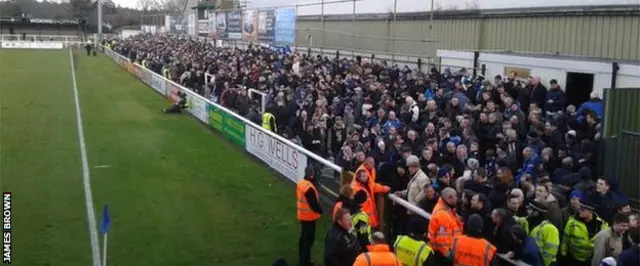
point(371, 172)
point(378, 255)
point(305, 213)
point(443, 227)
point(471, 251)
point(369, 206)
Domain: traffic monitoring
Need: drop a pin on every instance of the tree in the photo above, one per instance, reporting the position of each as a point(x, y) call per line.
point(175, 7)
point(109, 7)
point(468, 5)
point(472, 5)
point(10, 9)
point(74, 9)
point(81, 8)
point(149, 5)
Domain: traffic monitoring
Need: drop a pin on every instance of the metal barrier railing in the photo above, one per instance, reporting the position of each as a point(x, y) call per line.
point(263, 99)
point(319, 159)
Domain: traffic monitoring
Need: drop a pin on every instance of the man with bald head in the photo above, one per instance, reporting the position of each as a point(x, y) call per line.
point(534, 92)
point(445, 224)
point(410, 112)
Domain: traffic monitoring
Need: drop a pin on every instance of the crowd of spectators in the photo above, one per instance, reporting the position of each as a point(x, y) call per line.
point(501, 142)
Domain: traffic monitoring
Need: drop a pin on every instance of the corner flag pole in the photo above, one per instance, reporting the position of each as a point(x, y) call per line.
point(104, 229)
point(104, 250)
point(99, 21)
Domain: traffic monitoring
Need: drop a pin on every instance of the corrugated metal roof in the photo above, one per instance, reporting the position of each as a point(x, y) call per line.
point(630, 10)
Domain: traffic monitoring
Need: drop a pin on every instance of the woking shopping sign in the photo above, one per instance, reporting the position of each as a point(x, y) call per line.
point(31, 45)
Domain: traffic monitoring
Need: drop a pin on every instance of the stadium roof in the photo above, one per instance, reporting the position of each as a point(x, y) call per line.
point(625, 10)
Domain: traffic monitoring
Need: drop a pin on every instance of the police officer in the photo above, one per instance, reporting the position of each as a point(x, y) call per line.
point(341, 246)
point(360, 220)
point(471, 249)
point(166, 73)
point(578, 240)
point(542, 231)
point(308, 212)
point(412, 250)
point(269, 121)
point(379, 253)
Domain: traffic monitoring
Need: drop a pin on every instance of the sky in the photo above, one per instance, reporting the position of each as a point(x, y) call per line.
point(386, 6)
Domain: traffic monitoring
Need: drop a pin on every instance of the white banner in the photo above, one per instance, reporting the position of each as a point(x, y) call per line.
point(158, 84)
point(198, 108)
point(148, 29)
point(167, 23)
point(287, 160)
point(203, 27)
point(192, 25)
point(212, 23)
point(32, 45)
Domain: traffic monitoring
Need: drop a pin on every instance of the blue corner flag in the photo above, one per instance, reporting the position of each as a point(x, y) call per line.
point(105, 221)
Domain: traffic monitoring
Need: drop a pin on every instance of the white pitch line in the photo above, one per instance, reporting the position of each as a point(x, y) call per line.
point(86, 178)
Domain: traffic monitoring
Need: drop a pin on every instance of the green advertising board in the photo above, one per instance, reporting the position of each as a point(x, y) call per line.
point(231, 127)
point(215, 117)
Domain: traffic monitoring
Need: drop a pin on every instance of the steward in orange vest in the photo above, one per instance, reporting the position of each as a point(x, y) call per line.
point(379, 254)
point(309, 211)
point(361, 183)
point(472, 249)
point(369, 165)
point(445, 223)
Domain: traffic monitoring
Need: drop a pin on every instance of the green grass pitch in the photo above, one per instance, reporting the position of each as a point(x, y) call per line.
point(178, 193)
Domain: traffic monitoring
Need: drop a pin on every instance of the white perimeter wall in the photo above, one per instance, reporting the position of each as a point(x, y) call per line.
point(545, 68)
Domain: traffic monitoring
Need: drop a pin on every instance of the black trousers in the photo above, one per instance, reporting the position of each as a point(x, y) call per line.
point(441, 260)
point(307, 237)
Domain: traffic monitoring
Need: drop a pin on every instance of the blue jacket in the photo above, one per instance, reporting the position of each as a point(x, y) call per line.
point(629, 257)
point(371, 121)
point(606, 204)
point(531, 253)
point(428, 93)
point(595, 105)
point(508, 112)
point(443, 142)
point(389, 124)
point(462, 98)
point(558, 98)
point(529, 167)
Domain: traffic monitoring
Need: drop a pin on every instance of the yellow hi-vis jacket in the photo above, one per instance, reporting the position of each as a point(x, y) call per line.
point(266, 121)
point(411, 252)
point(166, 73)
point(576, 241)
point(363, 219)
point(547, 239)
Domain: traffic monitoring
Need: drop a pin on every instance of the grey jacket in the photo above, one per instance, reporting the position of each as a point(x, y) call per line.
point(415, 189)
point(607, 244)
